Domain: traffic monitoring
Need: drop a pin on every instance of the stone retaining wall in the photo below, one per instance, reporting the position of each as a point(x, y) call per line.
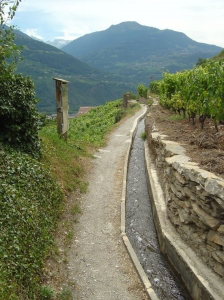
point(194, 199)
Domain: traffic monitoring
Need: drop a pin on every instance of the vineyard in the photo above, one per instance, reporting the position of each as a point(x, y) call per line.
point(191, 112)
point(197, 92)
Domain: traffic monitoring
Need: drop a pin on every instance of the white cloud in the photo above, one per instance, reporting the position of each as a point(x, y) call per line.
point(33, 33)
point(67, 35)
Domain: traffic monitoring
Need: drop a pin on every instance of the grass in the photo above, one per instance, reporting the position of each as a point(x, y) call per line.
point(143, 136)
point(63, 159)
point(46, 292)
point(66, 294)
point(75, 209)
point(176, 117)
point(219, 56)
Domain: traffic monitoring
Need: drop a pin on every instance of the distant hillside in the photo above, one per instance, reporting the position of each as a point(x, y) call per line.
point(139, 52)
point(88, 86)
point(219, 56)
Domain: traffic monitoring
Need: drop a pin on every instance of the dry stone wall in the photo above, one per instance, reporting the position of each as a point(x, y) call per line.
point(194, 199)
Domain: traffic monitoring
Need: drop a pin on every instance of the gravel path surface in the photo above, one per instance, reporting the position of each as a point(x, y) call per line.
point(98, 261)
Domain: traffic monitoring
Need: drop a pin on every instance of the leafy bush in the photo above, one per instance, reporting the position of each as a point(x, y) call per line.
point(155, 86)
point(30, 202)
point(118, 115)
point(19, 118)
point(142, 90)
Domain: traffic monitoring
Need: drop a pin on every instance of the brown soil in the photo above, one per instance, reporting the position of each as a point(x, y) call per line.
point(204, 146)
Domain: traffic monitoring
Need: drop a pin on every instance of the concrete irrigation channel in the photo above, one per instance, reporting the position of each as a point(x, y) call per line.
point(140, 227)
point(142, 207)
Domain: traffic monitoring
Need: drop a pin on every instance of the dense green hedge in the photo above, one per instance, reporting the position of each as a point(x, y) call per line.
point(30, 202)
point(19, 118)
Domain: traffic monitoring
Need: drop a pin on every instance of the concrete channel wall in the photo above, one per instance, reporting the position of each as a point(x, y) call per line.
point(142, 275)
point(188, 210)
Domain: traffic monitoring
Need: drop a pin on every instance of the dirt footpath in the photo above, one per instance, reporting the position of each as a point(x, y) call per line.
point(97, 260)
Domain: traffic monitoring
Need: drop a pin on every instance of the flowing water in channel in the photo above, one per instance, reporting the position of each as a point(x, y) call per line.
point(140, 227)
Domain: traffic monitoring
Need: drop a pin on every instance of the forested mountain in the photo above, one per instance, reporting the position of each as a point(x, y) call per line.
point(88, 86)
point(139, 52)
point(107, 63)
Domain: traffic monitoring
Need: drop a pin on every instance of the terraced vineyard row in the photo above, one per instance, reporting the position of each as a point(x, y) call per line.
point(199, 91)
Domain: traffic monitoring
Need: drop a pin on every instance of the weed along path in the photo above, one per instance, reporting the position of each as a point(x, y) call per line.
point(98, 262)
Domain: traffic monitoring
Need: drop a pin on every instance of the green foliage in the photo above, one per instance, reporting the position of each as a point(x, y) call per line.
point(176, 117)
point(132, 96)
point(30, 202)
point(61, 158)
point(91, 128)
point(142, 91)
point(85, 131)
point(18, 115)
point(9, 52)
point(201, 61)
point(65, 294)
point(219, 56)
point(198, 91)
point(46, 293)
point(143, 136)
point(7, 12)
point(19, 118)
point(118, 115)
point(155, 86)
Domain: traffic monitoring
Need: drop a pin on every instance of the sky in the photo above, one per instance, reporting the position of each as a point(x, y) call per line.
point(201, 20)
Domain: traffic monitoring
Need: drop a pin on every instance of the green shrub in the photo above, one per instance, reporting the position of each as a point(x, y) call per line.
point(30, 202)
point(46, 292)
point(155, 86)
point(118, 115)
point(142, 91)
point(19, 118)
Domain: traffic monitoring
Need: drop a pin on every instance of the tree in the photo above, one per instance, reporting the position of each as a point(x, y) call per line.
point(19, 118)
point(142, 91)
point(6, 15)
point(8, 49)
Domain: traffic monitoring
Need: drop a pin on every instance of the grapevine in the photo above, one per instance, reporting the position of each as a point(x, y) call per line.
point(199, 92)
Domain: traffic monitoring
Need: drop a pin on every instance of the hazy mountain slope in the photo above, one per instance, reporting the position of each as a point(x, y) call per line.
point(139, 52)
point(219, 56)
point(88, 85)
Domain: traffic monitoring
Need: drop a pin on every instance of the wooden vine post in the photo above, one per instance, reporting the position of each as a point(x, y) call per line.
point(62, 107)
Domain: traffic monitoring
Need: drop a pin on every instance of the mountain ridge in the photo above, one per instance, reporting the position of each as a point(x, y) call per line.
point(109, 71)
point(88, 86)
point(129, 48)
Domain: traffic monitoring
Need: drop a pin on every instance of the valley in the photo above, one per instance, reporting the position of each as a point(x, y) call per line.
point(102, 66)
